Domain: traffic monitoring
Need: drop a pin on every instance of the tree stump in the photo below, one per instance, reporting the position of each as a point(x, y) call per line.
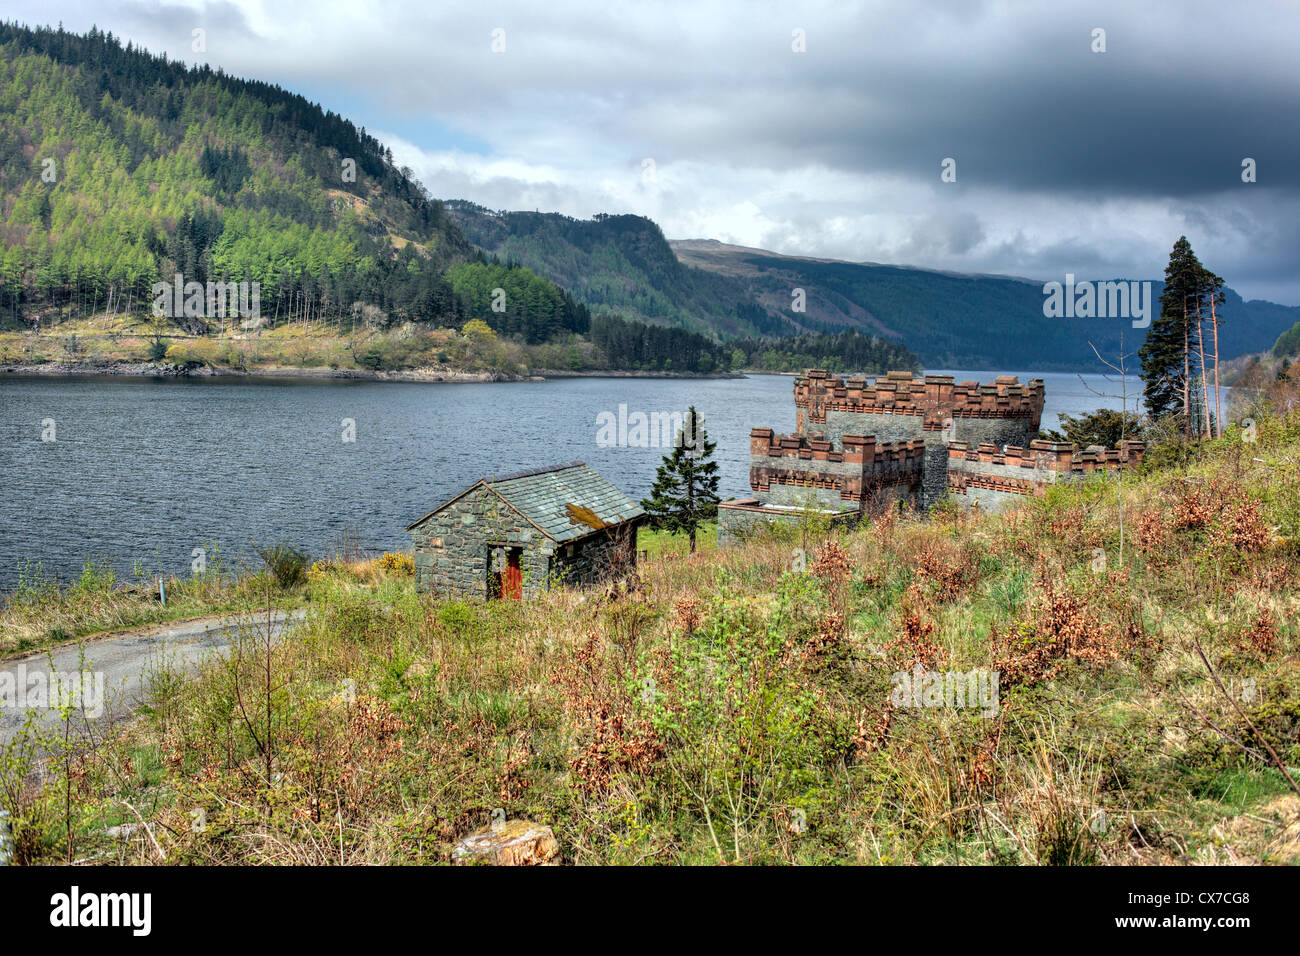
point(512, 843)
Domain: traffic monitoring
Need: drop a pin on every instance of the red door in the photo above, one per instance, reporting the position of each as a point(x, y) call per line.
point(513, 584)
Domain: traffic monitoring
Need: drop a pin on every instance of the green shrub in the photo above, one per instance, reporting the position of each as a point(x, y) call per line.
point(34, 584)
point(287, 564)
point(96, 577)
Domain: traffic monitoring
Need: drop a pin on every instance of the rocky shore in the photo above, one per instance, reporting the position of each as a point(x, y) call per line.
point(199, 370)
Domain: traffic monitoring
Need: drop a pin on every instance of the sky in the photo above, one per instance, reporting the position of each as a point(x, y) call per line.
point(988, 137)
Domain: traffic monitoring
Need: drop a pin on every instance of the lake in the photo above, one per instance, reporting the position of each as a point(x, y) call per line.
point(147, 470)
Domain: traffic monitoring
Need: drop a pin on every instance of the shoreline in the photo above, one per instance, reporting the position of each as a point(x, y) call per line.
point(418, 375)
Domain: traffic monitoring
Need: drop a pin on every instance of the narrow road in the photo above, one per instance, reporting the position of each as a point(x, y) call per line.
point(114, 668)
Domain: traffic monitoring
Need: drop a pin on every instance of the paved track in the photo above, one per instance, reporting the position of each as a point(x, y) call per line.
point(118, 664)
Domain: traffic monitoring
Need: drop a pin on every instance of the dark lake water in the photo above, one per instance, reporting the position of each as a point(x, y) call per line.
point(147, 470)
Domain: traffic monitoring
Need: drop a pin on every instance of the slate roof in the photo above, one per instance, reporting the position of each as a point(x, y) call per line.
point(544, 497)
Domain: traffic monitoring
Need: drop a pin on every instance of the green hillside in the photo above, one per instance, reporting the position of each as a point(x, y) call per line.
point(118, 168)
point(620, 264)
point(950, 320)
point(1288, 343)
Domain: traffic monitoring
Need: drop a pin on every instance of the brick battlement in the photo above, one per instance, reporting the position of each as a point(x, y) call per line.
point(960, 483)
point(1028, 471)
point(847, 474)
point(933, 398)
point(988, 454)
point(1049, 456)
point(857, 448)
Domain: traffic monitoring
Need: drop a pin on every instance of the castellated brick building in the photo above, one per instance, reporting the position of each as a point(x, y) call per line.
point(862, 447)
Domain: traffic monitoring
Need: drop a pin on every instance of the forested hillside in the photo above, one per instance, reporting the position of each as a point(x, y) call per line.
point(1262, 371)
point(1288, 343)
point(118, 168)
point(620, 264)
point(623, 263)
point(839, 352)
point(527, 306)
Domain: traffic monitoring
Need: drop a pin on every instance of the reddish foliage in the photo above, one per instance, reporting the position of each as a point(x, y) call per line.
point(1153, 532)
point(942, 562)
point(687, 610)
point(832, 562)
point(867, 739)
point(1196, 506)
point(1061, 629)
point(1261, 637)
point(1249, 533)
point(617, 742)
point(914, 646)
point(830, 633)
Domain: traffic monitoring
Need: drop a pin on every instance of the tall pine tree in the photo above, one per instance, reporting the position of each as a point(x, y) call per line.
point(1167, 352)
point(685, 492)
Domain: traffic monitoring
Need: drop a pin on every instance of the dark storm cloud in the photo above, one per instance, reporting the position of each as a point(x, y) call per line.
point(1022, 101)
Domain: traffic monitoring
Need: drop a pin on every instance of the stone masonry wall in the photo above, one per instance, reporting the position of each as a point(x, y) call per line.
point(737, 519)
point(860, 444)
point(452, 547)
point(934, 399)
point(595, 557)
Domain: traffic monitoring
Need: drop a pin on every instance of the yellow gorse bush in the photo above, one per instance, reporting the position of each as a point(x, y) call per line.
point(397, 563)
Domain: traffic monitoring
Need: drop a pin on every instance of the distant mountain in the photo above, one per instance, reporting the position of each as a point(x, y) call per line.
point(953, 320)
point(959, 321)
point(119, 169)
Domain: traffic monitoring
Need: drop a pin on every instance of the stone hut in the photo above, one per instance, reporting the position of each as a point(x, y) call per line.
point(515, 535)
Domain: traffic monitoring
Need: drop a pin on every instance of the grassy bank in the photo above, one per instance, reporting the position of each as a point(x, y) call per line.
point(105, 340)
point(661, 544)
point(125, 345)
point(741, 706)
point(41, 613)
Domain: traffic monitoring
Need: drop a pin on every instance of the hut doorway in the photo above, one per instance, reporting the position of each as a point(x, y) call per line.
point(508, 575)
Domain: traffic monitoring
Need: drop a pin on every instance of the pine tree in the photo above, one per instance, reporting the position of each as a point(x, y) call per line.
point(685, 492)
point(1166, 353)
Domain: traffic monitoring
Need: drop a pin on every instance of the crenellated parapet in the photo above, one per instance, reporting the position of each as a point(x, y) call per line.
point(1028, 471)
point(783, 467)
point(934, 399)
